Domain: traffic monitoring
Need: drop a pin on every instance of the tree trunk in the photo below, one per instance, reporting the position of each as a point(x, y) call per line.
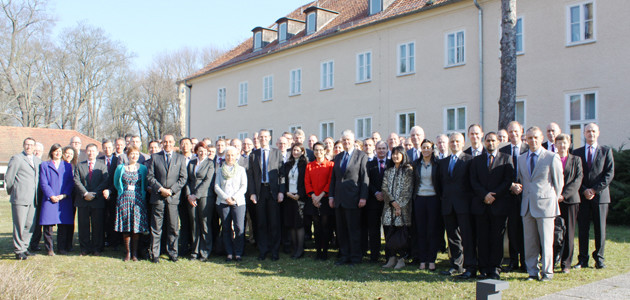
point(507, 98)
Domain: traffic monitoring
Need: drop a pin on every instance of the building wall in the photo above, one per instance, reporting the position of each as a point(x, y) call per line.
point(548, 71)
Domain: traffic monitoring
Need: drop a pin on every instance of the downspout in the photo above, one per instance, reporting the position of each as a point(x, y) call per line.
point(481, 121)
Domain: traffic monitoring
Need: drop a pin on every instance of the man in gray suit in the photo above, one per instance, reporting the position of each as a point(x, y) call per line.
point(22, 180)
point(91, 182)
point(541, 177)
point(166, 177)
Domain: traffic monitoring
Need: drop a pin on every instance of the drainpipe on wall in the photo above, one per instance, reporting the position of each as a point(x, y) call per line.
point(480, 62)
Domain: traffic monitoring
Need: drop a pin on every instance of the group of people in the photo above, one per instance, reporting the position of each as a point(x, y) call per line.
point(203, 198)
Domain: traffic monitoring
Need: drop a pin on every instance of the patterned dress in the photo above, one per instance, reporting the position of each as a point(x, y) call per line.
point(131, 209)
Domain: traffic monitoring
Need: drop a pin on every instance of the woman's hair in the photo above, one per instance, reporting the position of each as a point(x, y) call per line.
point(359, 144)
point(199, 145)
point(131, 149)
point(563, 137)
point(54, 148)
point(405, 159)
point(75, 157)
point(301, 159)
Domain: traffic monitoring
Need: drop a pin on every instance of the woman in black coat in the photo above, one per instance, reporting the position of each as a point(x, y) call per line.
point(294, 200)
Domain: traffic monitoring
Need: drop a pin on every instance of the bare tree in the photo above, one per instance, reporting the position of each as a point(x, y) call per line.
point(507, 98)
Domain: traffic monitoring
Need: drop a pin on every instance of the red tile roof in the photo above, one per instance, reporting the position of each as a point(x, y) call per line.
point(353, 14)
point(12, 138)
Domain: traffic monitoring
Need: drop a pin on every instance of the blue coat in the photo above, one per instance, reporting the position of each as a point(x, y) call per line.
point(55, 182)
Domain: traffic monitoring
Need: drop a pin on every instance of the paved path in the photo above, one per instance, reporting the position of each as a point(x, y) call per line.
point(617, 287)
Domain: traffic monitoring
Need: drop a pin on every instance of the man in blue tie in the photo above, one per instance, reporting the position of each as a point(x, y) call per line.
point(416, 135)
point(348, 194)
point(454, 187)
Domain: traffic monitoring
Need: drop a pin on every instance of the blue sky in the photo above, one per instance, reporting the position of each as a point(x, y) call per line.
point(148, 28)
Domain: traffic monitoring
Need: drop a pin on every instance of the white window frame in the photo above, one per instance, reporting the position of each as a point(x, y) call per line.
point(582, 121)
point(294, 127)
point(221, 95)
point(257, 40)
point(311, 18)
point(581, 24)
point(295, 82)
point(219, 137)
point(408, 124)
point(409, 58)
point(283, 33)
point(524, 121)
point(242, 135)
point(330, 132)
point(456, 125)
point(366, 127)
point(243, 93)
point(364, 67)
point(327, 75)
point(522, 35)
point(267, 90)
point(456, 61)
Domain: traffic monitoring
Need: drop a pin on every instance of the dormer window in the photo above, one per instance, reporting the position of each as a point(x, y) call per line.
point(311, 23)
point(282, 32)
point(376, 6)
point(257, 40)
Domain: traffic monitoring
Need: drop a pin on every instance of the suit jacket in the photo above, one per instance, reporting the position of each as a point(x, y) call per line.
point(123, 159)
point(274, 172)
point(469, 150)
point(508, 150)
point(348, 187)
point(174, 177)
point(455, 190)
point(83, 184)
point(115, 161)
point(310, 155)
point(375, 183)
point(496, 178)
point(82, 155)
point(22, 179)
point(600, 175)
point(199, 182)
point(301, 190)
point(410, 154)
point(417, 165)
point(542, 188)
point(572, 180)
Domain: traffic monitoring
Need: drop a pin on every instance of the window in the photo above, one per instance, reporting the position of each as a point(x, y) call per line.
point(405, 122)
point(242, 93)
point(219, 137)
point(311, 23)
point(295, 86)
point(328, 71)
point(376, 6)
point(581, 23)
point(406, 58)
point(293, 128)
point(282, 32)
point(519, 111)
point(257, 40)
point(363, 127)
point(221, 98)
point(242, 135)
point(364, 66)
point(267, 88)
point(326, 129)
point(519, 36)
point(455, 49)
point(455, 119)
point(581, 111)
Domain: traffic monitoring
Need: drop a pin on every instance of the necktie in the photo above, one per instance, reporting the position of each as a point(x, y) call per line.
point(168, 160)
point(553, 148)
point(109, 162)
point(418, 154)
point(475, 153)
point(532, 163)
point(30, 161)
point(589, 157)
point(490, 161)
point(381, 168)
point(451, 165)
point(344, 162)
point(90, 170)
point(264, 166)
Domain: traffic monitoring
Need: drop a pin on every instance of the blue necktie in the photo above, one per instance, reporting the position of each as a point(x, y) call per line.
point(344, 162)
point(532, 163)
point(451, 165)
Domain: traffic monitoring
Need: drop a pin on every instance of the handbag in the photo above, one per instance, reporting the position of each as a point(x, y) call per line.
point(397, 237)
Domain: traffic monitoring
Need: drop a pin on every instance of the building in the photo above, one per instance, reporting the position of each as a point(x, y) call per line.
point(13, 137)
point(386, 65)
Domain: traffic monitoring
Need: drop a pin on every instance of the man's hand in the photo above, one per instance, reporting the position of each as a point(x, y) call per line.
point(89, 196)
point(253, 198)
point(516, 188)
point(561, 198)
point(192, 201)
point(280, 197)
point(489, 199)
point(106, 194)
point(331, 202)
point(379, 196)
point(362, 203)
point(589, 194)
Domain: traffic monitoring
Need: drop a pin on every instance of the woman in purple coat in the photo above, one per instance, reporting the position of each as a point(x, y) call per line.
point(56, 181)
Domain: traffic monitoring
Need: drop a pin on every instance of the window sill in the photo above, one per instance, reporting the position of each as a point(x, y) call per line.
point(241, 105)
point(585, 42)
point(363, 81)
point(294, 95)
point(405, 74)
point(220, 109)
point(455, 65)
point(266, 100)
point(326, 89)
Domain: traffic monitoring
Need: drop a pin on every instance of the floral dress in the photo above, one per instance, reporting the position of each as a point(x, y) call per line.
point(131, 209)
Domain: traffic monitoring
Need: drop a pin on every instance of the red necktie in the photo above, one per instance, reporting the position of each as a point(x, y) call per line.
point(90, 169)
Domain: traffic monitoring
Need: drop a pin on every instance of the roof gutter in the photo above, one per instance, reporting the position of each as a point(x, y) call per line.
point(481, 95)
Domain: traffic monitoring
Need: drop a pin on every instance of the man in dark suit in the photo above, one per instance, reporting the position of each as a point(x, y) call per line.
point(416, 135)
point(298, 138)
point(553, 130)
point(475, 135)
point(91, 182)
point(348, 194)
point(515, 221)
point(137, 142)
point(491, 175)
point(454, 183)
point(75, 142)
point(22, 181)
point(166, 177)
point(112, 238)
point(373, 210)
point(266, 192)
point(185, 230)
point(599, 170)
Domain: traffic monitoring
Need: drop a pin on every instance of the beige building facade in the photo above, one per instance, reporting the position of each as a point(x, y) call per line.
point(417, 63)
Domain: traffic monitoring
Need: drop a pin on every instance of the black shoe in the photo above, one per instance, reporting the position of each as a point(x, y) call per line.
point(482, 276)
point(275, 257)
point(155, 260)
point(510, 268)
point(449, 272)
point(34, 249)
point(531, 278)
point(600, 265)
point(21, 256)
point(203, 259)
point(173, 258)
point(238, 258)
point(262, 256)
point(494, 276)
point(228, 259)
point(545, 278)
point(466, 275)
point(580, 266)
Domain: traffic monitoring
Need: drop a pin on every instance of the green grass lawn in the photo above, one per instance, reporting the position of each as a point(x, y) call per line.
point(109, 277)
